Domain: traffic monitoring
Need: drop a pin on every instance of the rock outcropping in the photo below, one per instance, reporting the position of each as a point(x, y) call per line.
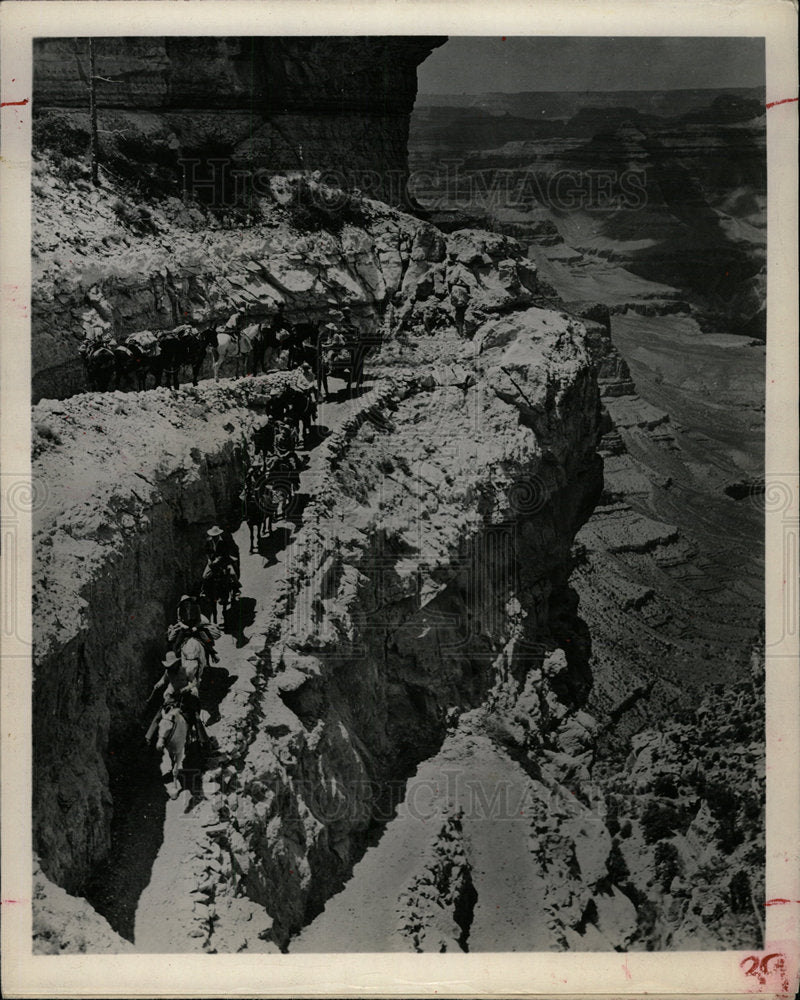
point(184, 109)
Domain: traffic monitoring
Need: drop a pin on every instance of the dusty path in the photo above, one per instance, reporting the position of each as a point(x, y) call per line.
point(148, 890)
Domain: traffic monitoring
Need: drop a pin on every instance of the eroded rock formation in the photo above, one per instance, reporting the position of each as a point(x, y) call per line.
point(424, 622)
point(197, 109)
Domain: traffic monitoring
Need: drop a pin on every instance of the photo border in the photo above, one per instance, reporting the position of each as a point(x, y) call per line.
point(696, 974)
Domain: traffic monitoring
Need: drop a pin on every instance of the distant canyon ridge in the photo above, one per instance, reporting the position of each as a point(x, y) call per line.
point(667, 186)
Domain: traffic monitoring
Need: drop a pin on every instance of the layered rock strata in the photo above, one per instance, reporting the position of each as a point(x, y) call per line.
point(196, 110)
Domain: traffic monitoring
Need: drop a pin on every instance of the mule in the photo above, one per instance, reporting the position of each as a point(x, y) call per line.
point(301, 410)
point(217, 588)
point(253, 509)
point(173, 734)
point(99, 363)
point(227, 345)
point(281, 478)
point(349, 364)
point(193, 657)
point(264, 439)
point(273, 335)
point(139, 357)
point(171, 355)
point(302, 345)
point(195, 346)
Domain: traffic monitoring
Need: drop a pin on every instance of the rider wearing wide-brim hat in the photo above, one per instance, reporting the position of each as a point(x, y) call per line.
point(222, 550)
point(180, 688)
point(191, 622)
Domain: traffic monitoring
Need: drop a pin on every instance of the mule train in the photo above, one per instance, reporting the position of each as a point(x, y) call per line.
point(270, 482)
point(330, 346)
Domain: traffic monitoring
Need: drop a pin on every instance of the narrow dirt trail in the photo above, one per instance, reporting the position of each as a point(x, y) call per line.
point(150, 886)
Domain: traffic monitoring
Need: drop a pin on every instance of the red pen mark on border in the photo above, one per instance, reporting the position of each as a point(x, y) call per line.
point(779, 902)
point(14, 104)
point(7, 901)
point(786, 100)
point(763, 969)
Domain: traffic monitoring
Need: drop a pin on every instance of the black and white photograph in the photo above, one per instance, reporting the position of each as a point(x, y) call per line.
point(397, 494)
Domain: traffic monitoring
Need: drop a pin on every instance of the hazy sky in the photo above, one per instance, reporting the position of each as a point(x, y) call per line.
point(479, 65)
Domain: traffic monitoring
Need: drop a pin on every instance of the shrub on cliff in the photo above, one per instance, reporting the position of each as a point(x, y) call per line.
point(61, 136)
point(313, 207)
point(724, 806)
point(139, 219)
point(659, 821)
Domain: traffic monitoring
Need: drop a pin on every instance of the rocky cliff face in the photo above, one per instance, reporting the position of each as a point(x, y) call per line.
point(431, 569)
point(120, 537)
point(406, 760)
point(257, 104)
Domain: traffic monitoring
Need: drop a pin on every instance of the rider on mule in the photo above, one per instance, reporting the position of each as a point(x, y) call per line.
point(232, 326)
point(331, 342)
point(285, 443)
point(192, 623)
point(223, 553)
point(180, 688)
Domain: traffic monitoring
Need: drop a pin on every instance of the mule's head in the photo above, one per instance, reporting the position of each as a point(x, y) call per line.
point(166, 725)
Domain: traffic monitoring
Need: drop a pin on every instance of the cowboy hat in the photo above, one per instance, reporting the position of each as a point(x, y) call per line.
point(170, 660)
point(213, 532)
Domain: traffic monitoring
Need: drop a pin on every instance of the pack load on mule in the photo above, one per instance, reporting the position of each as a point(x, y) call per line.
point(99, 359)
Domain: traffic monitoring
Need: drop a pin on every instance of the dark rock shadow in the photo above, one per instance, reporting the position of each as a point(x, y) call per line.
point(214, 686)
point(344, 394)
point(137, 832)
point(296, 507)
point(271, 545)
point(241, 614)
point(317, 435)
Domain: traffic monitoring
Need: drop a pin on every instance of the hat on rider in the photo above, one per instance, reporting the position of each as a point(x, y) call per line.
point(213, 532)
point(170, 660)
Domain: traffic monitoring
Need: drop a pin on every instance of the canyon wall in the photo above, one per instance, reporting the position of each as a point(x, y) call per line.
point(120, 537)
point(259, 104)
point(433, 562)
point(424, 619)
